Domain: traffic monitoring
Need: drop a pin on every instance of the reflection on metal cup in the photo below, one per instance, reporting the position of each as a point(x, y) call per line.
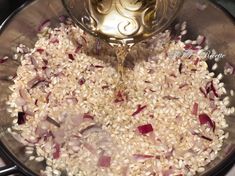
point(123, 21)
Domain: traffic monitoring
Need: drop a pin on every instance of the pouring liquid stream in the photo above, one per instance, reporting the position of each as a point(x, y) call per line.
point(121, 53)
point(123, 23)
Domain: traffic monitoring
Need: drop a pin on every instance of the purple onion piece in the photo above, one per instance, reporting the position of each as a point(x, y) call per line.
point(21, 118)
point(53, 122)
point(81, 81)
point(71, 57)
point(91, 129)
point(205, 119)
point(139, 109)
point(63, 18)
point(43, 25)
point(3, 59)
point(145, 129)
point(88, 116)
point(180, 68)
point(206, 138)
point(79, 46)
point(142, 156)
point(56, 154)
point(104, 161)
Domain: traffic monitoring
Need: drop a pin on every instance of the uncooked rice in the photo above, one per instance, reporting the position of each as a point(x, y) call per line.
point(169, 120)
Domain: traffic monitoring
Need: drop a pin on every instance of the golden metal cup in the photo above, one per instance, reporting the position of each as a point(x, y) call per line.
point(123, 21)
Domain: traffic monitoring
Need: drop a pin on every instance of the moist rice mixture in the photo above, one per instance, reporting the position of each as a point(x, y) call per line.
point(169, 120)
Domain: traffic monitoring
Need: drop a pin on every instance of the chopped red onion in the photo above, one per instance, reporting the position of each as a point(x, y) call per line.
point(34, 82)
point(201, 40)
point(47, 135)
point(40, 132)
point(47, 97)
point(81, 81)
point(84, 39)
point(151, 90)
point(3, 59)
point(53, 122)
point(169, 153)
point(125, 171)
point(97, 66)
point(63, 18)
point(59, 136)
point(104, 161)
point(23, 93)
point(13, 76)
point(167, 172)
point(211, 96)
point(145, 129)
point(142, 156)
point(105, 87)
point(79, 46)
point(45, 62)
point(188, 46)
point(56, 153)
point(196, 61)
point(205, 119)
point(151, 71)
point(40, 50)
point(139, 109)
point(20, 101)
point(170, 97)
point(91, 129)
point(213, 105)
point(44, 67)
point(36, 102)
point(180, 68)
point(183, 85)
point(97, 47)
point(77, 119)
point(27, 111)
point(48, 72)
point(195, 109)
point(54, 40)
point(210, 87)
point(228, 69)
point(88, 116)
point(206, 138)
point(71, 57)
point(33, 62)
point(120, 97)
point(203, 92)
point(43, 25)
point(33, 141)
point(214, 126)
point(173, 75)
point(21, 118)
